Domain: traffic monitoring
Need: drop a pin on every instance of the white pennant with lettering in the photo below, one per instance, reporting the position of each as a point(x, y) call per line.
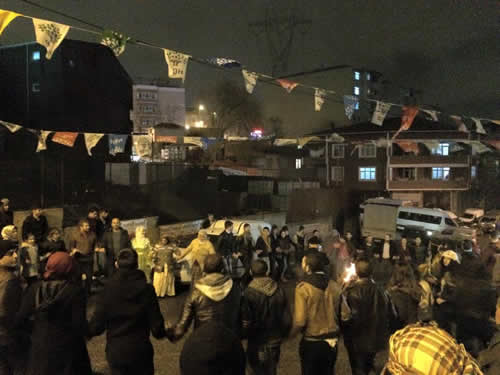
point(319, 99)
point(479, 126)
point(49, 34)
point(42, 140)
point(250, 80)
point(381, 110)
point(177, 64)
point(12, 127)
point(91, 140)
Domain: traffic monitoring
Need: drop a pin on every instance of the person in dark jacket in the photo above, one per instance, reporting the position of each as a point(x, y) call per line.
point(367, 330)
point(489, 359)
point(51, 245)
point(299, 241)
point(114, 240)
point(405, 293)
point(36, 224)
point(226, 246)
point(6, 215)
point(384, 257)
point(208, 221)
point(245, 246)
point(213, 349)
point(488, 255)
point(214, 298)
point(267, 319)
point(127, 309)
point(57, 305)
point(103, 223)
point(10, 301)
point(92, 215)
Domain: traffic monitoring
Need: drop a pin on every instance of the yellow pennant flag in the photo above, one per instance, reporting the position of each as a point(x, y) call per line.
point(6, 17)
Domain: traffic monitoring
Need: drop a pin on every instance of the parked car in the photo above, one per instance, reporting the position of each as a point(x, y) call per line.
point(487, 224)
point(471, 216)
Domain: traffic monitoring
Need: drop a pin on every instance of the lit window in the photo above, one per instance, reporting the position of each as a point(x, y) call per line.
point(338, 174)
point(368, 150)
point(356, 90)
point(442, 149)
point(357, 76)
point(440, 173)
point(35, 87)
point(356, 106)
point(337, 151)
point(299, 163)
point(35, 56)
point(368, 77)
point(367, 173)
point(473, 171)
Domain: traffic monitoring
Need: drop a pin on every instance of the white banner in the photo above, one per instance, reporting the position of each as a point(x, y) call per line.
point(91, 140)
point(49, 34)
point(177, 64)
point(12, 127)
point(479, 126)
point(381, 110)
point(42, 140)
point(319, 99)
point(250, 80)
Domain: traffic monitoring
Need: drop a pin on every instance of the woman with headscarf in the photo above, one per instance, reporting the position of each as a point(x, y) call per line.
point(199, 248)
point(163, 268)
point(57, 307)
point(143, 248)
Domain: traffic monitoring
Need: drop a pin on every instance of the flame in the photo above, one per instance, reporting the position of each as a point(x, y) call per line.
point(350, 273)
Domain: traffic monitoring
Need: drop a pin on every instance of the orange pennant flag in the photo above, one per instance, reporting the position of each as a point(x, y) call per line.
point(287, 85)
point(65, 138)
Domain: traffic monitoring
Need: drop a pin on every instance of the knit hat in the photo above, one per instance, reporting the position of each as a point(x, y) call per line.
point(6, 246)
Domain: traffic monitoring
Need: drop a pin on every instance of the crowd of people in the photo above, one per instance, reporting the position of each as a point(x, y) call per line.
point(430, 306)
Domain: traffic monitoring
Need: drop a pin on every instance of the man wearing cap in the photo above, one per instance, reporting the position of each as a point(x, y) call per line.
point(10, 301)
point(6, 216)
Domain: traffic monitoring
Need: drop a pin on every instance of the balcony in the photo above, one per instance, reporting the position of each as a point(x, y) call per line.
point(428, 184)
point(429, 161)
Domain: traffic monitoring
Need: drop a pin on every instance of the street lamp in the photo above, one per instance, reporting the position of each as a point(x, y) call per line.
point(201, 107)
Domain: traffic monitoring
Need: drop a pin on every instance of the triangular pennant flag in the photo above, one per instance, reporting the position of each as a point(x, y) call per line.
point(114, 40)
point(407, 118)
point(431, 113)
point(177, 64)
point(350, 103)
point(479, 126)
point(42, 140)
point(6, 17)
point(460, 124)
point(381, 110)
point(143, 145)
point(224, 62)
point(408, 146)
point(287, 85)
point(12, 127)
point(91, 140)
point(250, 80)
point(117, 143)
point(49, 34)
point(495, 122)
point(65, 138)
point(319, 99)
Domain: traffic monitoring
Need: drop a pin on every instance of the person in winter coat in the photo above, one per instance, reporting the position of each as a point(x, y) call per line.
point(226, 246)
point(367, 328)
point(36, 223)
point(488, 254)
point(245, 245)
point(114, 240)
point(212, 349)
point(51, 245)
point(29, 260)
point(128, 310)
point(404, 293)
point(263, 248)
point(57, 305)
point(383, 263)
point(199, 248)
point(267, 318)
point(83, 246)
point(214, 298)
point(6, 215)
point(299, 241)
point(489, 359)
point(282, 252)
point(420, 252)
point(10, 301)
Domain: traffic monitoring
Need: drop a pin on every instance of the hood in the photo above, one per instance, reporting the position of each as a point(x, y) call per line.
point(132, 281)
point(215, 286)
point(317, 279)
point(264, 285)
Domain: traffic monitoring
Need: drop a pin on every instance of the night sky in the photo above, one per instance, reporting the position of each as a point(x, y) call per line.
point(448, 50)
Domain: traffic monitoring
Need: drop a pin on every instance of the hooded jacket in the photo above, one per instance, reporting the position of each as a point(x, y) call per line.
point(214, 298)
point(128, 310)
point(266, 315)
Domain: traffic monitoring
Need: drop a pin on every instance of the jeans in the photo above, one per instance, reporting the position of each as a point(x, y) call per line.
point(263, 359)
point(317, 357)
point(361, 363)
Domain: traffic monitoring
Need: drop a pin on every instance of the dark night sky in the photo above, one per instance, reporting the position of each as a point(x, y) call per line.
point(448, 49)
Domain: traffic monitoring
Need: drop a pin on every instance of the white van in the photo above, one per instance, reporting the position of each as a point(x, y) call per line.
point(471, 216)
point(381, 201)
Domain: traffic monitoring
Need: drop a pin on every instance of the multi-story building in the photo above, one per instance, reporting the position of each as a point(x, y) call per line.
point(366, 85)
point(157, 104)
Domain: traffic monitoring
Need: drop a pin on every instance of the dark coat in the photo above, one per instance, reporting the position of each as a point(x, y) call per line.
point(226, 244)
point(58, 334)
point(128, 310)
point(10, 301)
point(101, 228)
point(39, 228)
point(488, 258)
point(6, 218)
point(48, 247)
point(406, 301)
point(108, 243)
point(393, 250)
point(489, 359)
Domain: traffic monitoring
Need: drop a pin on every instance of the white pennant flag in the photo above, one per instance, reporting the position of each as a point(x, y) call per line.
point(319, 99)
point(42, 140)
point(49, 34)
point(381, 110)
point(91, 140)
point(177, 64)
point(12, 127)
point(479, 126)
point(431, 113)
point(250, 80)
point(460, 124)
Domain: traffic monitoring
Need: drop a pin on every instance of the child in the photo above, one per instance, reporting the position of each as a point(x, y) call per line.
point(163, 268)
point(29, 260)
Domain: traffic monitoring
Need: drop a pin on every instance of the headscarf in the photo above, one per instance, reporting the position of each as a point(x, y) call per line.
point(7, 233)
point(140, 240)
point(59, 265)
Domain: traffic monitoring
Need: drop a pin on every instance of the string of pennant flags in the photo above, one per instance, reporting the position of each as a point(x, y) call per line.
point(50, 35)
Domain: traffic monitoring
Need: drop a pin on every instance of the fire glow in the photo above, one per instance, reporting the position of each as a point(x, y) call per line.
point(350, 273)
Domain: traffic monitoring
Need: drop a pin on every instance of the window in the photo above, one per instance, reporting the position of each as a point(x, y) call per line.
point(368, 150)
point(147, 95)
point(356, 90)
point(35, 87)
point(367, 173)
point(450, 222)
point(473, 171)
point(357, 76)
point(442, 149)
point(338, 174)
point(299, 163)
point(337, 151)
point(148, 108)
point(368, 76)
point(413, 216)
point(440, 173)
point(356, 106)
point(35, 56)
